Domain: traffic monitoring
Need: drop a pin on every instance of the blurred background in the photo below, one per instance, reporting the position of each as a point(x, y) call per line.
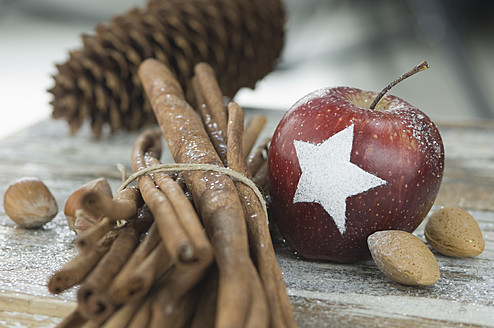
point(359, 43)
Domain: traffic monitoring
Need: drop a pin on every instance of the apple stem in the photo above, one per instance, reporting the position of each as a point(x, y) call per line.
point(420, 67)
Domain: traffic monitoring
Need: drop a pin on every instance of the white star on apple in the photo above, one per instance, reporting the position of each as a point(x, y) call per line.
point(329, 178)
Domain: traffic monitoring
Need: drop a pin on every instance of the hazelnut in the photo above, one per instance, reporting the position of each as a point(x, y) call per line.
point(29, 203)
point(77, 219)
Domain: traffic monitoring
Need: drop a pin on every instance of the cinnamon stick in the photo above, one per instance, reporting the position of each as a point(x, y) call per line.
point(215, 133)
point(185, 213)
point(258, 316)
point(75, 271)
point(181, 279)
point(258, 230)
point(142, 316)
point(143, 221)
point(121, 288)
point(91, 324)
point(252, 131)
point(235, 271)
point(123, 206)
point(235, 149)
point(178, 314)
point(211, 93)
point(89, 238)
point(205, 314)
point(266, 262)
point(261, 177)
point(73, 320)
point(141, 279)
point(214, 194)
point(93, 300)
point(258, 312)
point(173, 235)
point(257, 157)
point(123, 315)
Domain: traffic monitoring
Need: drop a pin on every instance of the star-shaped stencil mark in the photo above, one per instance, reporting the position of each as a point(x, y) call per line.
point(329, 178)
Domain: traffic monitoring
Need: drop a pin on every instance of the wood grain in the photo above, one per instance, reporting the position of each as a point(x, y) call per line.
point(322, 293)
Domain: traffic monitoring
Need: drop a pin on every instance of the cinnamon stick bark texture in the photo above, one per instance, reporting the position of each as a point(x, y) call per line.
point(212, 94)
point(181, 219)
point(214, 194)
point(176, 241)
point(258, 229)
point(257, 157)
point(261, 177)
point(211, 107)
point(73, 320)
point(235, 129)
point(179, 315)
point(252, 132)
point(123, 315)
point(122, 287)
point(205, 314)
point(123, 206)
point(76, 270)
point(185, 213)
point(179, 286)
point(142, 316)
point(90, 237)
point(92, 297)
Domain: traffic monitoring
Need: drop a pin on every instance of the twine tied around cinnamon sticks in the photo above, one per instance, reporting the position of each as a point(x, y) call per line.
point(198, 252)
point(183, 167)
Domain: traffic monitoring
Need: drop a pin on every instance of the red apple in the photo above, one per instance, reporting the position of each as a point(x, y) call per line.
point(339, 171)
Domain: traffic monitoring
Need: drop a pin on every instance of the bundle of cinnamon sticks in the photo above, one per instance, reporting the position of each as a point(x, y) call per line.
point(194, 248)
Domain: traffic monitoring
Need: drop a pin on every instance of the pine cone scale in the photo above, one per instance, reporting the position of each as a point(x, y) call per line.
point(240, 39)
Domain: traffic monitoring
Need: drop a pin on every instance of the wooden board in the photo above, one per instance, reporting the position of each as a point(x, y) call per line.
point(322, 293)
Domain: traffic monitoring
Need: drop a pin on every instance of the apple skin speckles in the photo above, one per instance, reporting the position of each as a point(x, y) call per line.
point(396, 142)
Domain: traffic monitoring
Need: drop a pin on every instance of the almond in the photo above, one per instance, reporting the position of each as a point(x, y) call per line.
point(452, 231)
point(403, 258)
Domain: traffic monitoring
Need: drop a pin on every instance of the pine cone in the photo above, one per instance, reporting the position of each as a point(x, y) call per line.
point(240, 39)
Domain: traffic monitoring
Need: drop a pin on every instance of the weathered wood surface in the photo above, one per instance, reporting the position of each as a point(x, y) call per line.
point(323, 294)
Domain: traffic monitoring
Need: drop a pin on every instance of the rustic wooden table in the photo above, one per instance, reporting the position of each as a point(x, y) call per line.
point(323, 294)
